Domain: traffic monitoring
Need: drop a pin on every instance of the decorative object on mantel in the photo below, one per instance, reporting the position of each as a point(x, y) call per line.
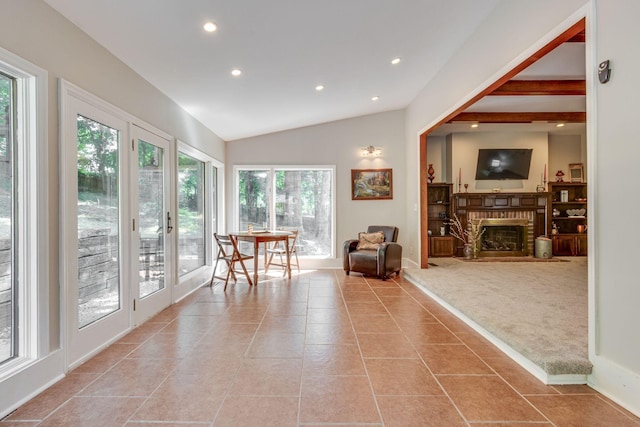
point(543, 182)
point(576, 172)
point(466, 186)
point(431, 173)
point(470, 237)
point(559, 176)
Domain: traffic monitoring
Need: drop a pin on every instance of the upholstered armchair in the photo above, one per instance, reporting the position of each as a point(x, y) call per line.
point(374, 253)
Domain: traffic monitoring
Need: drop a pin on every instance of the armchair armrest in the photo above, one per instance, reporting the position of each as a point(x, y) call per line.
point(389, 258)
point(349, 246)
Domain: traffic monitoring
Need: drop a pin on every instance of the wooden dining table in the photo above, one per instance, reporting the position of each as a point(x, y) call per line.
point(259, 237)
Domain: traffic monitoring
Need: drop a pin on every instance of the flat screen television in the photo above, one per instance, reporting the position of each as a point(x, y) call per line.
point(503, 163)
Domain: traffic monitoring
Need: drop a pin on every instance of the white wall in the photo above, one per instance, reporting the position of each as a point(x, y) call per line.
point(336, 143)
point(564, 150)
point(614, 344)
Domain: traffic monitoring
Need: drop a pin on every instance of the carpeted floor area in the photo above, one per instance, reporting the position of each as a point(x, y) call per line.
point(539, 309)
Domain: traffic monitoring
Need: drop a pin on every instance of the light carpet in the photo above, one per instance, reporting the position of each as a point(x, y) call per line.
point(538, 309)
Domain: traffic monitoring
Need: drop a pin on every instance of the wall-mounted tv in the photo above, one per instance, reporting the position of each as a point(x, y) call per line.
point(503, 163)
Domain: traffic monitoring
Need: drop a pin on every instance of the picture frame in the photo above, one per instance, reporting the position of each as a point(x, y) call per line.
point(371, 184)
point(576, 172)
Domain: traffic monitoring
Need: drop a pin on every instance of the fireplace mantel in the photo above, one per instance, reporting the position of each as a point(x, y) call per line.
point(503, 205)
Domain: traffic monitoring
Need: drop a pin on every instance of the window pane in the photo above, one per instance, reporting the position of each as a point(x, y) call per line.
point(304, 201)
point(98, 219)
point(254, 198)
point(191, 231)
point(151, 217)
point(8, 291)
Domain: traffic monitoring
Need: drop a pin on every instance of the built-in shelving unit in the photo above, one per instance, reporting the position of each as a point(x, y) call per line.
point(439, 205)
point(568, 217)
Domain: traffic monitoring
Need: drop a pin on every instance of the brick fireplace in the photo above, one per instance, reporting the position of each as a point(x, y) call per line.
point(512, 221)
point(505, 236)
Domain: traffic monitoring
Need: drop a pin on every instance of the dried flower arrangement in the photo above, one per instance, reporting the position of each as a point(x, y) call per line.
point(470, 235)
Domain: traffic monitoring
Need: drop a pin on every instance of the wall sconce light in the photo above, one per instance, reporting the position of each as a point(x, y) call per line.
point(371, 151)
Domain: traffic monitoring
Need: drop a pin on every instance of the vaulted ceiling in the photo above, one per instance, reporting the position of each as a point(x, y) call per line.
point(285, 49)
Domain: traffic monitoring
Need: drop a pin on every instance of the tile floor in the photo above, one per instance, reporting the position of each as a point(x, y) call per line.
point(322, 349)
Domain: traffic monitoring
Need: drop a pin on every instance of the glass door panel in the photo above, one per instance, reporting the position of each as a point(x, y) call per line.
point(151, 217)
point(152, 290)
point(98, 221)
point(191, 214)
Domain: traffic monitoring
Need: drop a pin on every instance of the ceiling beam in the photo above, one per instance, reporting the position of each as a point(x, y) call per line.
point(577, 28)
point(541, 87)
point(524, 117)
point(578, 38)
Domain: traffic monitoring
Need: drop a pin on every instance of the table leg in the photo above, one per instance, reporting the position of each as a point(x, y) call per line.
point(256, 246)
point(286, 247)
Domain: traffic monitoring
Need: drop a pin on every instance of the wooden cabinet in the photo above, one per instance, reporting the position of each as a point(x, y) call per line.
point(568, 216)
point(570, 245)
point(441, 246)
point(439, 198)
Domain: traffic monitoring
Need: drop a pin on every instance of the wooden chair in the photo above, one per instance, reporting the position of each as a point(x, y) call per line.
point(279, 249)
point(229, 253)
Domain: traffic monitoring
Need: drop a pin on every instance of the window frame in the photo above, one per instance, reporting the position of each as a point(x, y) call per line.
point(209, 205)
point(31, 214)
point(271, 169)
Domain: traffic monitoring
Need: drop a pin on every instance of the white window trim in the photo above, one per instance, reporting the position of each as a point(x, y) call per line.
point(32, 219)
point(235, 209)
point(33, 228)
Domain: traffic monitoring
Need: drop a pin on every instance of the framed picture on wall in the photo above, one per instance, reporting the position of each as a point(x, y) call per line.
point(371, 184)
point(576, 172)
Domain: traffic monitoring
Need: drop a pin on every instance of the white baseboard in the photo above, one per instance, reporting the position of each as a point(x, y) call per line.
point(30, 381)
point(616, 382)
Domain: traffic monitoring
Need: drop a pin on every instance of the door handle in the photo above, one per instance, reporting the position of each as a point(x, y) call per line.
point(169, 226)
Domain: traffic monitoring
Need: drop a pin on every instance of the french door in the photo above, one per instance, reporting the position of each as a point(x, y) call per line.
point(115, 221)
point(94, 233)
point(151, 224)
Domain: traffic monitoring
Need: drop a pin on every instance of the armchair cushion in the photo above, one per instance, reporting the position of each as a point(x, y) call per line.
point(370, 240)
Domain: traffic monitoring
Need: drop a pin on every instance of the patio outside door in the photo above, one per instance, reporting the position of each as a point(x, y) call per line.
point(152, 224)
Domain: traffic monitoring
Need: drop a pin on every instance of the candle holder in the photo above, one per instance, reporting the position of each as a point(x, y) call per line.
point(465, 187)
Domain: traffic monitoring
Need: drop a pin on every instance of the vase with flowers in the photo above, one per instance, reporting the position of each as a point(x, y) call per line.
point(469, 236)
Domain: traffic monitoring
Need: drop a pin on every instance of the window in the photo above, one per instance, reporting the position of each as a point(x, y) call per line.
point(301, 197)
point(23, 209)
point(7, 224)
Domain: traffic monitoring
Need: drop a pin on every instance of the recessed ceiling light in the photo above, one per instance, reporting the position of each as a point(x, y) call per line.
point(319, 88)
point(236, 72)
point(210, 27)
point(560, 125)
point(375, 98)
point(474, 125)
point(395, 61)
